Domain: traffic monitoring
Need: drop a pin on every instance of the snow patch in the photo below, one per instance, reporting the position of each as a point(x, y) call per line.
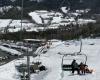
point(35, 17)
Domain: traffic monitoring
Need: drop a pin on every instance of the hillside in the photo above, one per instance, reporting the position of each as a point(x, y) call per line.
point(54, 3)
point(43, 23)
point(52, 60)
point(31, 5)
point(42, 18)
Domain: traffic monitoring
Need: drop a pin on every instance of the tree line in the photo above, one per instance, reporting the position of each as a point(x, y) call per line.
point(63, 33)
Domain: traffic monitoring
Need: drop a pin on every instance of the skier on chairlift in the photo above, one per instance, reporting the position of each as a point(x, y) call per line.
point(82, 68)
point(87, 70)
point(75, 66)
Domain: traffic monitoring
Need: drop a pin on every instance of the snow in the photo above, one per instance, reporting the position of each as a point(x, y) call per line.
point(52, 60)
point(41, 11)
point(83, 11)
point(45, 16)
point(85, 21)
point(15, 26)
point(56, 20)
point(17, 23)
point(14, 30)
point(35, 17)
point(8, 71)
point(9, 50)
point(76, 14)
point(51, 19)
point(64, 10)
point(4, 22)
point(37, 40)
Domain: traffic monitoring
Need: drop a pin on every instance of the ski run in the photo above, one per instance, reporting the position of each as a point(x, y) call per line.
point(52, 60)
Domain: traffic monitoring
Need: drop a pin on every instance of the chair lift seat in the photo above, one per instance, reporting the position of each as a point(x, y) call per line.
point(66, 67)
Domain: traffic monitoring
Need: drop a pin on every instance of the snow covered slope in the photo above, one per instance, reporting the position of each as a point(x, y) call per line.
point(36, 17)
point(10, 51)
point(52, 60)
point(44, 19)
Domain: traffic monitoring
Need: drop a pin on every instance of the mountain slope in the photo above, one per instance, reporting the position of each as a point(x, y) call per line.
point(31, 5)
point(54, 3)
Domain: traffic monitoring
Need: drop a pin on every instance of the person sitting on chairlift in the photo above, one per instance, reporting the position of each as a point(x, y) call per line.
point(87, 70)
point(82, 68)
point(75, 66)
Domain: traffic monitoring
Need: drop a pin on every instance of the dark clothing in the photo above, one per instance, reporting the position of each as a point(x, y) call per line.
point(75, 67)
point(82, 68)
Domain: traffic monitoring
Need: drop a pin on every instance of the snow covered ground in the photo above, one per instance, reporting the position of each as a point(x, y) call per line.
point(14, 48)
point(41, 18)
point(10, 51)
point(52, 60)
point(4, 22)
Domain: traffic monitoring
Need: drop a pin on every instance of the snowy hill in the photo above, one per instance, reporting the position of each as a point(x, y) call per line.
point(31, 5)
point(52, 60)
point(44, 19)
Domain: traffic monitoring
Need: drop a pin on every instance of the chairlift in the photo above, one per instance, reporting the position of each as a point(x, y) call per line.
point(68, 58)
